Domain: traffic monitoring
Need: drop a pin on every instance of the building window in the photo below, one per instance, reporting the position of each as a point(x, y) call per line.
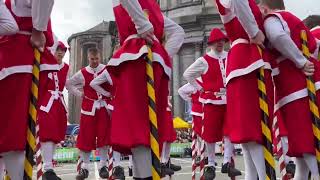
point(188, 2)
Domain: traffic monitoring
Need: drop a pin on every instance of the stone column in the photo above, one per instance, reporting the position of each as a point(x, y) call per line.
point(176, 85)
point(198, 52)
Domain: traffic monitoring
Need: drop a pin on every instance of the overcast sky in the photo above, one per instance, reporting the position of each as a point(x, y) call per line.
point(72, 16)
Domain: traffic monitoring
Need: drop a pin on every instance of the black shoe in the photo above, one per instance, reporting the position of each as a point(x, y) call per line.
point(118, 173)
point(165, 170)
point(174, 167)
point(130, 172)
point(50, 175)
point(209, 173)
point(83, 174)
point(104, 173)
point(231, 170)
point(291, 168)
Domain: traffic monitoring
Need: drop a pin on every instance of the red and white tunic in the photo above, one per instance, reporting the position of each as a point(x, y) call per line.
point(7, 23)
point(52, 114)
point(283, 30)
point(16, 61)
point(128, 68)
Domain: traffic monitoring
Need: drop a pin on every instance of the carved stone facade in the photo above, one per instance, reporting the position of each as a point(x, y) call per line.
point(197, 17)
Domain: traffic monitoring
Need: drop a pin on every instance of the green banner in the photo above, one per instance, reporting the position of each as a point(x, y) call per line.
point(177, 149)
point(66, 154)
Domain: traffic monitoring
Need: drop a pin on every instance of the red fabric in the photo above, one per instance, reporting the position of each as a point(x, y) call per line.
point(316, 32)
point(212, 79)
point(131, 105)
point(216, 35)
point(14, 112)
point(168, 129)
point(297, 118)
point(62, 46)
point(94, 130)
point(196, 105)
point(214, 117)
point(197, 120)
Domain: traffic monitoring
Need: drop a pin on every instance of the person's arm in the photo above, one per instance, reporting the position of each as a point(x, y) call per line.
point(174, 36)
point(195, 71)
point(41, 11)
point(245, 16)
point(186, 91)
point(282, 41)
point(8, 24)
point(74, 83)
point(99, 80)
point(136, 13)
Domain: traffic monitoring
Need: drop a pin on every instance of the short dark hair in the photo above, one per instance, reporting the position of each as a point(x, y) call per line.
point(93, 50)
point(312, 21)
point(274, 4)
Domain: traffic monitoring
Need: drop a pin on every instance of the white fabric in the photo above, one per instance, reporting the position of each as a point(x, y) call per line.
point(291, 97)
point(311, 162)
point(2, 167)
point(39, 10)
point(285, 149)
point(228, 150)
point(165, 154)
point(85, 156)
point(239, 41)
point(281, 40)
point(49, 67)
point(5, 72)
point(75, 83)
point(14, 162)
point(186, 91)
point(257, 157)
point(103, 152)
point(245, 16)
point(141, 162)
point(302, 170)
point(8, 24)
point(99, 80)
point(130, 161)
point(250, 169)
point(116, 158)
point(211, 150)
point(47, 151)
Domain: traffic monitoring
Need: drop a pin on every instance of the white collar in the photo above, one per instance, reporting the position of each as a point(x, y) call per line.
point(315, 28)
point(216, 55)
point(99, 68)
point(61, 65)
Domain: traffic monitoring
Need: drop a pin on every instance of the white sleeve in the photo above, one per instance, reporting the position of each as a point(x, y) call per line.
point(41, 11)
point(137, 15)
point(282, 41)
point(74, 83)
point(102, 78)
point(244, 14)
point(7, 23)
point(174, 36)
point(186, 91)
point(195, 71)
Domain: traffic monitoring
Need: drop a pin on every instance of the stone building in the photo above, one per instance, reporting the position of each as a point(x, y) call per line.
point(197, 17)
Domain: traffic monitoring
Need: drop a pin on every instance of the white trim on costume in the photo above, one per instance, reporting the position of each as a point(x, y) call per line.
point(128, 56)
point(227, 17)
point(158, 58)
point(211, 101)
point(196, 114)
point(244, 71)
point(4, 72)
point(290, 98)
point(49, 67)
point(97, 105)
point(55, 95)
point(275, 72)
point(239, 41)
point(317, 84)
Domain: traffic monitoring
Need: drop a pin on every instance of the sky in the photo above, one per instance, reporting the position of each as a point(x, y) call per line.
point(73, 16)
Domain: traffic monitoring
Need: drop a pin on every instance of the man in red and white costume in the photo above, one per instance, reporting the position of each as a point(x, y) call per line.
point(313, 23)
point(16, 61)
point(244, 24)
point(52, 111)
point(95, 119)
point(8, 24)
point(283, 30)
point(128, 67)
point(211, 69)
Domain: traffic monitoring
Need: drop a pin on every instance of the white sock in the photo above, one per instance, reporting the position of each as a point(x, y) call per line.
point(311, 162)
point(211, 150)
point(198, 145)
point(85, 156)
point(228, 150)
point(47, 151)
point(103, 152)
point(165, 154)
point(130, 161)
point(14, 162)
point(285, 148)
point(1, 168)
point(302, 170)
point(116, 158)
point(250, 169)
point(141, 162)
point(256, 152)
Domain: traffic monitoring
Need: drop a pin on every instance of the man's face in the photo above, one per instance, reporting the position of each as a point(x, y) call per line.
point(59, 54)
point(94, 60)
point(218, 46)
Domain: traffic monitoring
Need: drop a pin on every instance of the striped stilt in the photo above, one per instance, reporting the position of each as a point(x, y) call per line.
point(202, 149)
point(154, 137)
point(266, 132)
point(110, 162)
point(31, 132)
point(194, 152)
point(312, 99)
point(38, 154)
point(79, 163)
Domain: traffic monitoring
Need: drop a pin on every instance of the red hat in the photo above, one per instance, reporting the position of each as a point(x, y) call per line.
point(216, 35)
point(62, 46)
